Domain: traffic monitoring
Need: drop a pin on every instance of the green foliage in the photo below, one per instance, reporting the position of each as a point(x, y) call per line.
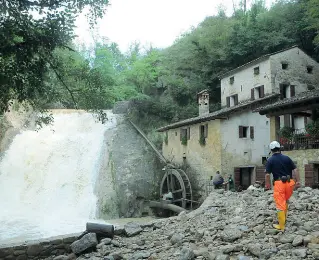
point(28, 43)
point(184, 140)
point(312, 7)
point(202, 140)
point(286, 132)
point(39, 65)
point(313, 128)
point(172, 77)
point(166, 138)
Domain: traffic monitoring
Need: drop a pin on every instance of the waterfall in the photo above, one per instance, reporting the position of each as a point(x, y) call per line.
point(47, 178)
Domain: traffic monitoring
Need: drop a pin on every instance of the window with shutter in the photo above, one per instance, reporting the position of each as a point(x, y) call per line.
point(287, 120)
point(241, 131)
point(252, 132)
point(236, 99)
point(292, 91)
point(262, 91)
point(309, 175)
point(237, 176)
point(252, 94)
point(206, 131)
point(184, 136)
point(231, 80)
point(188, 133)
point(228, 101)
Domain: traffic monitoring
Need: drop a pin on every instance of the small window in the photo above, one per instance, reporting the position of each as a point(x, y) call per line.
point(184, 136)
point(203, 132)
point(309, 69)
point(231, 80)
point(234, 100)
point(284, 65)
point(256, 70)
point(243, 131)
point(284, 91)
point(175, 133)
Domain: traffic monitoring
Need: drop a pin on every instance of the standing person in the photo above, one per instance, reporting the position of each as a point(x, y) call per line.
point(218, 180)
point(285, 177)
point(231, 185)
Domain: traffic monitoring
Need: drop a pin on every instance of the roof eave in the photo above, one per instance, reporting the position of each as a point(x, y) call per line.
point(192, 122)
point(286, 105)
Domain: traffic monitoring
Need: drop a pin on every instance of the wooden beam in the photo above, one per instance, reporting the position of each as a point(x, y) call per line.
point(306, 114)
point(292, 110)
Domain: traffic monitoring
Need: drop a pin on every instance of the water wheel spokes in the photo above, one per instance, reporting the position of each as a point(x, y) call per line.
point(177, 182)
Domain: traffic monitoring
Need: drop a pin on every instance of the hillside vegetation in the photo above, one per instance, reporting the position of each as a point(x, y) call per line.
point(38, 64)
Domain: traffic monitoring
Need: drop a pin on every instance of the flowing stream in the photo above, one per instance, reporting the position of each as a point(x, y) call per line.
point(47, 178)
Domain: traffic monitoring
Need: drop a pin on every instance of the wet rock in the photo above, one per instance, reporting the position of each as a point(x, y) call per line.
point(242, 257)
point(115, 243)
point(255, 249)
point(187, 254)
point(61, 257)
point(132, 229)
point(177, 239)
point(300, 253)
point(284, 239)
point(222, 257)
point(86, 242)
point(106, 241)
point(307, 239)
point(119, 230)
point(231, 235)
point(34, 250)
point(298, 240)
point(140, 255)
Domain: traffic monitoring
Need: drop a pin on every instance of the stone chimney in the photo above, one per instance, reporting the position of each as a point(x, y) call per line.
point(203, 102)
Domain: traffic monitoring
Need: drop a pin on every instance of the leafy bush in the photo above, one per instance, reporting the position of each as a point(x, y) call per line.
point(313, 128)
point(286, 132)
point(184, 140)
point(202, 140)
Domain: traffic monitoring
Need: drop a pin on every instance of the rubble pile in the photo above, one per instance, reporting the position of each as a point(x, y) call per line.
point(228, 225)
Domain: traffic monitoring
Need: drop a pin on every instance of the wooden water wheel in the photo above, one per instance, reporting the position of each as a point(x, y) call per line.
point(176, 181)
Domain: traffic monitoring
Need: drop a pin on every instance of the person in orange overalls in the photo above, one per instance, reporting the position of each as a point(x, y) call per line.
point(285, 177)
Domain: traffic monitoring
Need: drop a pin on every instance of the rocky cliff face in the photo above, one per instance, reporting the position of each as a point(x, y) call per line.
point(135, 169)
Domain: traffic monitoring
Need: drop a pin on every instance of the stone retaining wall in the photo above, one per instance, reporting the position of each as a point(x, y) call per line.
point(302, 158)
point(38, 249)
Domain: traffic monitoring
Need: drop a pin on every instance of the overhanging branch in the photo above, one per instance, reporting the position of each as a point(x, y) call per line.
point(62, 81)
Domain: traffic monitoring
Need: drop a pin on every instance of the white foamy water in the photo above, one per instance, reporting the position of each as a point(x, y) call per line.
point(47, 178)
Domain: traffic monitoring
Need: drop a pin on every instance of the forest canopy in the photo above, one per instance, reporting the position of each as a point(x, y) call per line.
point(40, 65)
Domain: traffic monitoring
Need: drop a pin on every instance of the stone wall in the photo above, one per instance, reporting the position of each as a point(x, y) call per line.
point(302, 158)
point(38, 249)
point(203, 160)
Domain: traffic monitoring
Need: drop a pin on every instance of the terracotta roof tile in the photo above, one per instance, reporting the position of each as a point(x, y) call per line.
point(222, 113)
point(301, 97)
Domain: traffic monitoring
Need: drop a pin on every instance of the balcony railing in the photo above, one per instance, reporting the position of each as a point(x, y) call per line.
point(299, 140)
